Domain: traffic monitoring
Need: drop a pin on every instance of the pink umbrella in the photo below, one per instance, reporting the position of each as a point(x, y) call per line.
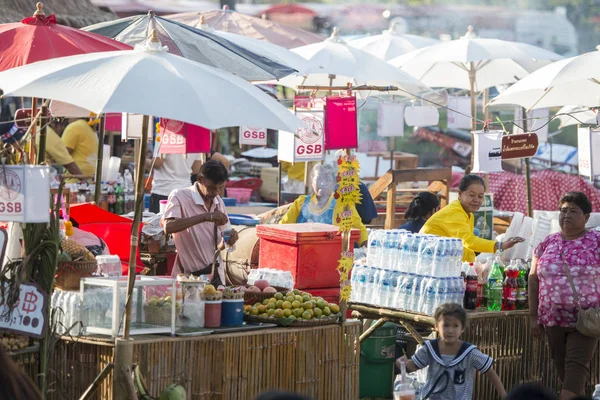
point(241, 24)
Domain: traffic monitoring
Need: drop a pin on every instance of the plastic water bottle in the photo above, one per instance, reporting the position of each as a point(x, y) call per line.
point(404, 256)
point(414, 251)
point(426, 256)
point(429, 300)
point(385, 288)
point(408, 290)
point(495, 287)
point(395, 282)
point(374, 248)
point(355, 281)
point(415, 294)
point(374, 296)
point(226, 236)
point(441, 265)
point(400, 296)
point(596, 395)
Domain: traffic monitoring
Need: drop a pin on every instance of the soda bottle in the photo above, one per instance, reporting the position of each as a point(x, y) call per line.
point(509, 289)
point(521, 287)
point(111, 198)
point(494, 302)
point(120, 204)
point(485, 273)
point(470, 299)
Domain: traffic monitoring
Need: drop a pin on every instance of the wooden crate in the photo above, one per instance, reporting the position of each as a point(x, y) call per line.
point(320, 362)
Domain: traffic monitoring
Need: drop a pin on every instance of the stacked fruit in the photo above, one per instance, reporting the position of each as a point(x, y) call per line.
point(73, 251)
point(12, 342)
point(293, 305)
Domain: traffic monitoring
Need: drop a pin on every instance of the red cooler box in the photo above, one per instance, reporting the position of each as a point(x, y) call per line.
point(310, 251)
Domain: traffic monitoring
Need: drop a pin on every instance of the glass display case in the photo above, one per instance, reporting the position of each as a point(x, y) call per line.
point(154, 306)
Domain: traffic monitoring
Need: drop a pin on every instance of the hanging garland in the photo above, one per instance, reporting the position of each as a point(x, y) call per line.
point(347, 195)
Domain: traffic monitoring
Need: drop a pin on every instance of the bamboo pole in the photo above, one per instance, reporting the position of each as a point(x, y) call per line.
point(527, 172)
point(473, 107)
point(139, 201)
point(100, 160)
point(41, 157)
point(33, 129)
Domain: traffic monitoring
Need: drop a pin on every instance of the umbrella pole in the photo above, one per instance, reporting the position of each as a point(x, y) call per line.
point(100, 160)
point(41, 157)
point(139, 201)
point(473, 110)
point(32, 141)
point(527, 172)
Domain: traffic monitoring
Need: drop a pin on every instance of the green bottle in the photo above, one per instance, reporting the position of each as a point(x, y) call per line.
point(495, 281)
point(120, 203)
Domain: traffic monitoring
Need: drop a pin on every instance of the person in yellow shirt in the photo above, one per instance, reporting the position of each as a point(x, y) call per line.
point(320, 206)
point(82, 142)
point(456, 220)
point(56, 151)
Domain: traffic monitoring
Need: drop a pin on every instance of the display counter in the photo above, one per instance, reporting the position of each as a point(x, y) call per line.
point(503, 335)
point(321, 362)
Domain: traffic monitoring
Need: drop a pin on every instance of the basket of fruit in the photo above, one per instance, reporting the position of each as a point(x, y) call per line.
point(74, 262)
point(294, 308)
point(260, 291)
point(11, 342)
point(158, 311)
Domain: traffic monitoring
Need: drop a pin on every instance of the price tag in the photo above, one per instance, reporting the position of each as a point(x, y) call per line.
point(28, 316)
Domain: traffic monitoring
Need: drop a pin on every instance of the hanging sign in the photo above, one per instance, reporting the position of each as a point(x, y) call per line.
point(488, 151)
point(24, 193)
point(28, 316)
point(588, 139)
point(307, 143)
point(421, 116)
point(181, 138)
point(131, 126)
point(519, 146)
point(459, 112)
point(253, 136)
point(341, 128)
point(391, 119)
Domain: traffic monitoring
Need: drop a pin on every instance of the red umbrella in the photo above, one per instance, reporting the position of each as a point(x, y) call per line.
point(40, 38)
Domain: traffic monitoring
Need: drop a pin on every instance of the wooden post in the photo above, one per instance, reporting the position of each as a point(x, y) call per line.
point(33, 129)
point(99, 161)
point(390, 212)
point(122, 368)
point(279, 184)
point(527, 173)
point(473, 107)
point(41, 158)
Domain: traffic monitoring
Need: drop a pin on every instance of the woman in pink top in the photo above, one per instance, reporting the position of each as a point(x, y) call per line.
point(551, 303)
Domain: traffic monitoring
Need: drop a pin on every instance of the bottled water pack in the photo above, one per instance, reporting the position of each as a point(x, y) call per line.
point(413, 272)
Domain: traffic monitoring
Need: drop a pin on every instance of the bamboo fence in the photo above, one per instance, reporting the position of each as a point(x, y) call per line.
point(320, 362)
point(505, 336)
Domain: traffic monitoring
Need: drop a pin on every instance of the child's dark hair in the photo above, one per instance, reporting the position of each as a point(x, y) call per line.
point(424, 203)
point(451, 310)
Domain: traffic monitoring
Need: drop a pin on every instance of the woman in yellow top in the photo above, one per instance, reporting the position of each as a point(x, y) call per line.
point(456, 220)
point(320, 206)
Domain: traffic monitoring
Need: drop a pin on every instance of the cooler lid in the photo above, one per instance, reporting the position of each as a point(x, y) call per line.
point(306, 232)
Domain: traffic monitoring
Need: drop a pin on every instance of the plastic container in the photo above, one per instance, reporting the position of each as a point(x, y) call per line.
point(310, 251)
point(241, 195)
point(212, 313)
point(377, 356)
point(232, 312)
point(229, 202)
point(163, 206)
point(109, 265)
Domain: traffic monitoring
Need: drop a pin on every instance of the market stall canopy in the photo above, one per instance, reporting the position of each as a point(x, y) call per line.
point(74, 13)
point(194, 44)
point(148, 80)
point(469, 60)
point(39, 38)
point(334, 62)
point(245, 25)
point(573, 81)
point(391, 43)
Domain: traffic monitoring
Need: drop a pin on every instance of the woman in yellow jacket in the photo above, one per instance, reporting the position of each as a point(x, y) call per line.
point(456, 220)
point(320, 206)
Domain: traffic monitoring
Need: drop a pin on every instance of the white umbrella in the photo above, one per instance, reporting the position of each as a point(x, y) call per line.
point(391, 43)
point(573, 115)
point(334, 63)
point(148, 80)
point(573, 81)
point(472, 63)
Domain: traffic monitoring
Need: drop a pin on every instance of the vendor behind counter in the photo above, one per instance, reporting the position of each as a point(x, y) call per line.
point(456, 220)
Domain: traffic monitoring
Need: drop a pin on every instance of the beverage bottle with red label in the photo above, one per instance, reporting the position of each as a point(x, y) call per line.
point(471, 280)
point(521, 287)
point(510, 287)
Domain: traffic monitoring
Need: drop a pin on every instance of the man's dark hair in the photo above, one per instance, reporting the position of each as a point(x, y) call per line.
point(531, 391)
point(579, 199)
point(214, 171)
point(469, 180)
point(423, 204)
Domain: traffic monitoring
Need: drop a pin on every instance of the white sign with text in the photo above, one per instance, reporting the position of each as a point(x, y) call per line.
point(253, 136)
